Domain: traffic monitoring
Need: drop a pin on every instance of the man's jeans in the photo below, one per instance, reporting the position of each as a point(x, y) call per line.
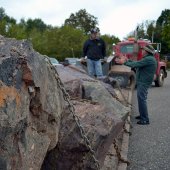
point(142, 92)
point(94, 68)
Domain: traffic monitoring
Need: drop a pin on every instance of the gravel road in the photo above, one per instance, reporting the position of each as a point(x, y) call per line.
point(149, 145)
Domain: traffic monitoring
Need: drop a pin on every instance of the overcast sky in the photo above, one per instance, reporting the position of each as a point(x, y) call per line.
point(115, 17)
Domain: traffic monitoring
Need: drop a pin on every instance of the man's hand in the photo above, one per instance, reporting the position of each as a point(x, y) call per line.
point(123, 59)
point(105, 59)
point(83, 60)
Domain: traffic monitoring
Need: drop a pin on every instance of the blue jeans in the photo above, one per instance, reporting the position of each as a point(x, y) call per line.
point(142, 92)
point(94, 68)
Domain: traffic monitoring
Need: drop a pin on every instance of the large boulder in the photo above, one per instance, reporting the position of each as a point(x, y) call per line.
point(101, 115)
point(39, 127)
point(30, 106)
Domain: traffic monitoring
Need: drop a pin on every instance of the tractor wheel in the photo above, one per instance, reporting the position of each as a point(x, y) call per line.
point(160, 79)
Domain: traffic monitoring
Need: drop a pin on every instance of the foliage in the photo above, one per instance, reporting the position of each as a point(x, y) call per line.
point(156, 31)
point(145, 30)
point(163, 22)
point(5, 22)
point(166, 35)
point(63, 42)
point(163, 18)
point(141, 31)
point(35, 24)
point(109, 40)
point(68, 40)
point(82, 20)
point(150, 29)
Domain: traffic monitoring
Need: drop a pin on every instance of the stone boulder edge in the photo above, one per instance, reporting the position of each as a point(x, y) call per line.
point(37, 130)
point(30, 106)
point(101, 116)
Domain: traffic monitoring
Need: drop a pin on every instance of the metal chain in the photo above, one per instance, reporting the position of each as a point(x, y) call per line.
point(120, 90)
point(118, 153)
point(129, 122)
point(117, 98)
point(125, 130)
point(75, 117)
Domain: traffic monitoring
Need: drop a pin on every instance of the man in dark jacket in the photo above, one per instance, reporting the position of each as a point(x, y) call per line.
point(145, 70)
point(94, 49)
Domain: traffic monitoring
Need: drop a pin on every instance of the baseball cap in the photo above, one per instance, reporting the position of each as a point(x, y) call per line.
point(94, 30)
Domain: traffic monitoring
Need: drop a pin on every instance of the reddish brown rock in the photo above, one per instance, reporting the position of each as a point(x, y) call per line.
point(30, 106)
point(101, 116)
point(37, 129)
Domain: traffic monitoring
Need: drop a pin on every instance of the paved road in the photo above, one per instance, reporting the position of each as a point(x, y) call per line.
point(149, 145)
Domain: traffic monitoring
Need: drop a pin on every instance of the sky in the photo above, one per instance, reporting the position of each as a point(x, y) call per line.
point(115, 17)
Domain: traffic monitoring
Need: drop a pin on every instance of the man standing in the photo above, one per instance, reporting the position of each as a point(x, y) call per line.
point(145, 70)
point(95, 49)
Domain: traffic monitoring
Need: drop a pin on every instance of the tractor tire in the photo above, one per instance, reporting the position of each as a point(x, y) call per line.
point(124, 80)
point(160, 79)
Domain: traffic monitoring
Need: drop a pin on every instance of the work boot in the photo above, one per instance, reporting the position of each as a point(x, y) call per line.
point(143, 122)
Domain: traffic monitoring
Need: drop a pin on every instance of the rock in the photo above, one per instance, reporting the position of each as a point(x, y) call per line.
point(101, 116)
point(39, 128)
point(30, 106)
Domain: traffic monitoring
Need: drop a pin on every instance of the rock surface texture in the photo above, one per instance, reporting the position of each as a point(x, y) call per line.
point(30, 106)
point(37, 128)
point(101, 116)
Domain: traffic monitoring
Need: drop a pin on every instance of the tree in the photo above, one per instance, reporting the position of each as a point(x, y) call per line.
point(5, 22)
point(2, 13)
point(35, 24)
point(146, 30)
point(163, 19)
point(141, 31)
point(163, 31)
point(82, 20)
point(17, 31)
point(3, 27)
point(69, 42)
point(166, 36)
point(58, 42)
point(109, 40)
point(150, 29)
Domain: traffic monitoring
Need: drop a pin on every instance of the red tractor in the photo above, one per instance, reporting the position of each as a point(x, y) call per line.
point(130, 49)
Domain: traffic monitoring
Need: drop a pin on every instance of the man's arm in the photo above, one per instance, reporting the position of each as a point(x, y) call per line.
point(85, 46)
point(136, 64)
